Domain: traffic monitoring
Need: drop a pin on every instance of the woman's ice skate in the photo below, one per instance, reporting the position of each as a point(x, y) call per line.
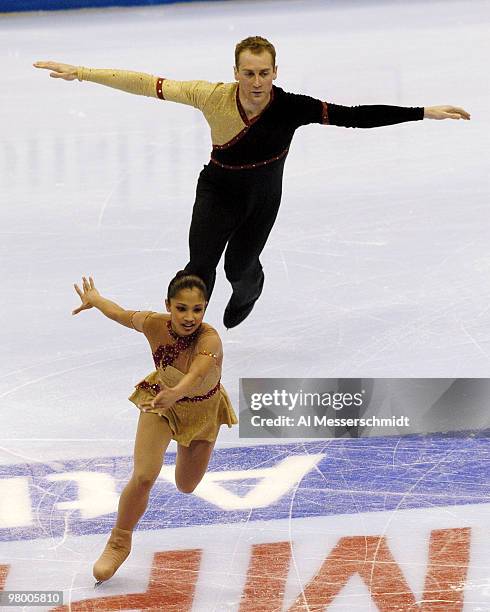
point(115, 553)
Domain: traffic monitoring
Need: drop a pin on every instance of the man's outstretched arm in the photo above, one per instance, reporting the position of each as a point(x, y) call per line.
point(138, 83)
point(192, 93)
point(371, 116)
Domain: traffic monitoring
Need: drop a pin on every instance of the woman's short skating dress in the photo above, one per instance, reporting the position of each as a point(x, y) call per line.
point(200, 415)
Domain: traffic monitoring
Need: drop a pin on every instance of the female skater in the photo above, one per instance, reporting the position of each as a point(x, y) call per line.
point(182, 400)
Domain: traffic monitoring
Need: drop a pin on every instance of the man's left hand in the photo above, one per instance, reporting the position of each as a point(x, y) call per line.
point(445, 112)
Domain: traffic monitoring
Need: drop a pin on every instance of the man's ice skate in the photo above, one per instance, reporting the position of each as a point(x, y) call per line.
point(237, 310)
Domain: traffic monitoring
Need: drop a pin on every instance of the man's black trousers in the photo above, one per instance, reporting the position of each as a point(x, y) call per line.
point(234, 210)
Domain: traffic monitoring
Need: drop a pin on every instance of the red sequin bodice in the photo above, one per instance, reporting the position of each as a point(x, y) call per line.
point(166, 354)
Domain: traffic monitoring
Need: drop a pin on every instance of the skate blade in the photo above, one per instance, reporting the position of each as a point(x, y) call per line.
point(98, 583)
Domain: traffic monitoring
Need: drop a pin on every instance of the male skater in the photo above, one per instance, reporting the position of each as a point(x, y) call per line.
point(252, 124)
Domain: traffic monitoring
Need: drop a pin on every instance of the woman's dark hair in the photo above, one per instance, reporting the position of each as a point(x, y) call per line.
point(186, 280)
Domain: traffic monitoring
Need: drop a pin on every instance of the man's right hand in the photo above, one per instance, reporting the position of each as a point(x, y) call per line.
point(59, 71)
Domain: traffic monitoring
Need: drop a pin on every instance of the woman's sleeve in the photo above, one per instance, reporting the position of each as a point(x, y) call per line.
point(140, 319)
point(210, 346)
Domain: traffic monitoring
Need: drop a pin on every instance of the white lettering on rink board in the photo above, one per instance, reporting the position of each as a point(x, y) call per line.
point(274, 483)
point(15, 503)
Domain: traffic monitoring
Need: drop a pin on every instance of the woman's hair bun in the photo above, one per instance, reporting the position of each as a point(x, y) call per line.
point(186, 280)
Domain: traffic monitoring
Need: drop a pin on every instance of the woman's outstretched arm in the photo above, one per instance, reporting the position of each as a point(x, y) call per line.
point(91, 298)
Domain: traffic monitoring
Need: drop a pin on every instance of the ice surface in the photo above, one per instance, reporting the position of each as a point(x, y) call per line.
point(378, 264)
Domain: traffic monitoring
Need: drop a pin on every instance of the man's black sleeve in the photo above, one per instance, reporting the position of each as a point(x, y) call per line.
point(371, 116)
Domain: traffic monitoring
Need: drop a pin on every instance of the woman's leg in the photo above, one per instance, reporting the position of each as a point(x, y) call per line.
point(152, 438)
point(192, 462)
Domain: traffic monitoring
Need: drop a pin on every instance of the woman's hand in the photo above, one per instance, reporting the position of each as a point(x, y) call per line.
point(66, 72)
point(445, 112)
point(161, 402)
point(88, 294)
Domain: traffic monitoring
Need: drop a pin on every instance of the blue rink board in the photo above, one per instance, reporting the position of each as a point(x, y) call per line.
point(362, 475)
point(13, 6)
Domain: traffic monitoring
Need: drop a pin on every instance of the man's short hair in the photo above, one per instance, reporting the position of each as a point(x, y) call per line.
point(256, 45)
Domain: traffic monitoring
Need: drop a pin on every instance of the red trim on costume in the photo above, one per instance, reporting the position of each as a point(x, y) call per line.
point(239, 106)
point(155, 387)
point(144, 384)
point(248, 122)
point(242, 112)
point(325, 118)
point(201, 398)
point(160, 88)
point(247, 166)
point(233, 140)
